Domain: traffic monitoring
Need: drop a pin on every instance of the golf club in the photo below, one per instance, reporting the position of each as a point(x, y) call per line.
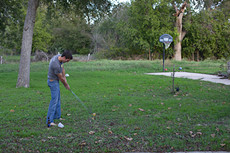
point(89, 110)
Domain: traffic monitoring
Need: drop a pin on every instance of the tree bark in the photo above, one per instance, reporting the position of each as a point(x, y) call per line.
point(177, 47)
point(24, 67)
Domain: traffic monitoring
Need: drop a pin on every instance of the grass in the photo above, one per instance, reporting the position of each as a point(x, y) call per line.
point(134, 112)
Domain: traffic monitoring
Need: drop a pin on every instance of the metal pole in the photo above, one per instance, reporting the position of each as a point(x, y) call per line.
point(163, 57)
point(1, 59)
point(173, 74)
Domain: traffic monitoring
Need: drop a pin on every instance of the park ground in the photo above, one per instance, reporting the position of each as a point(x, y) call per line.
point(134, 112)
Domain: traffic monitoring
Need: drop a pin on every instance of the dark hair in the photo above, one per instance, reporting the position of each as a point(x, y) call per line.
point(67, 54)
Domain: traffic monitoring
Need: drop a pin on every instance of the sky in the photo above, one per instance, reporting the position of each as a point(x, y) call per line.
point(121, 1)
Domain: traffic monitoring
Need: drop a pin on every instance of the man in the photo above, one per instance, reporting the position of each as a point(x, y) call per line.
point(56, 72)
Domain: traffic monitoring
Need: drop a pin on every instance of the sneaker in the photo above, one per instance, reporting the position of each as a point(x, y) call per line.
point(53, 124)
point(60, 125)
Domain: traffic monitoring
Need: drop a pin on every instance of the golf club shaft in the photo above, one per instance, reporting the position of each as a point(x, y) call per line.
point(81, 102)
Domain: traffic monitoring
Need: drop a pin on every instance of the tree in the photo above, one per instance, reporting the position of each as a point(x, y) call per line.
point(179, 16)
point(10, 12)
point(87, 7)
point(72, 33)
point(208, 34)
point(12, 15)
point(42, 35)
point(24, 67)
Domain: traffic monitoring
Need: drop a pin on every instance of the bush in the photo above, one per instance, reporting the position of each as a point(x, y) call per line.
point(114, 53)
point(84, 51)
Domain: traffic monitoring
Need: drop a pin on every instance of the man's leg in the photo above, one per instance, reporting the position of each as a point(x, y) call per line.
point(57, 114)
point(55, 90)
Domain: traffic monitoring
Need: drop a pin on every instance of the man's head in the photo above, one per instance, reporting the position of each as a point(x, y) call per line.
point(66, 56)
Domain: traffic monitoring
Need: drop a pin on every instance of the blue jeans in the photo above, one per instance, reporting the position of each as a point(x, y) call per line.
point(54, 111)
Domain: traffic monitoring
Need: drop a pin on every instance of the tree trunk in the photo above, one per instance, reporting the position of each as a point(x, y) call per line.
point(24, 67)
point(177, 47)
point(149, 55)
point(197, 56)
point(193, 56)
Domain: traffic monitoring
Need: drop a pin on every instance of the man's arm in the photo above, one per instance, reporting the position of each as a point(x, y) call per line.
point(63, 80)
point(63, 72)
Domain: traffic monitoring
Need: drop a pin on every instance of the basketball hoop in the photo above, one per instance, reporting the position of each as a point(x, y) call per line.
point(167, 44)
point(166, 39)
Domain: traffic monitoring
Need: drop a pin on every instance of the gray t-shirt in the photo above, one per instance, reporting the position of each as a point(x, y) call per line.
point(54, 68)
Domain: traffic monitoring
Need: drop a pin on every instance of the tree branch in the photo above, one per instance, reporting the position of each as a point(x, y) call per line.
point(183, 34)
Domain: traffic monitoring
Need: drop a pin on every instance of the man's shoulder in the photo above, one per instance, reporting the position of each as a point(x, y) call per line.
point(54, 62)
point(54, 59)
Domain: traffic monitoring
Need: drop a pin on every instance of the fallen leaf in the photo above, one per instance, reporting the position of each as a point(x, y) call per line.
point(110, 132)
point(68, 114)
point(193, 135)
point(168, 128)
point(135, 134)
point(222, 145)
point(162, 103)
point(51, 137)
point(130, 105)
point(169, 108)
point(12, 110)
point(137, 128)
point(213, 135)
point(82, 144)
point(141, 109)
point(199, 133)
point(129, 139)
point(96, 142)
point(217, 129)
point(91, 132)
point(190, 132)
point(69, 135)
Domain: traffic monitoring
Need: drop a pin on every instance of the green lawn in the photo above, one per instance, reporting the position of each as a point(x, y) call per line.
point(134, 111)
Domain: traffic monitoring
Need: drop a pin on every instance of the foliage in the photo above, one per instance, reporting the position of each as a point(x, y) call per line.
point(138, 27)
point(42, 35)
point(11, 25)
point(72, 33)
point(208, 27)
point(127, 30)
point(10, 12)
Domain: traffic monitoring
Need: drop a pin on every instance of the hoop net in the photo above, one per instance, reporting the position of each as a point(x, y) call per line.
point(167, 44)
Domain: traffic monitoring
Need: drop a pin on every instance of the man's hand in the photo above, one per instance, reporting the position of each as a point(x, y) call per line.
point(67, 87)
